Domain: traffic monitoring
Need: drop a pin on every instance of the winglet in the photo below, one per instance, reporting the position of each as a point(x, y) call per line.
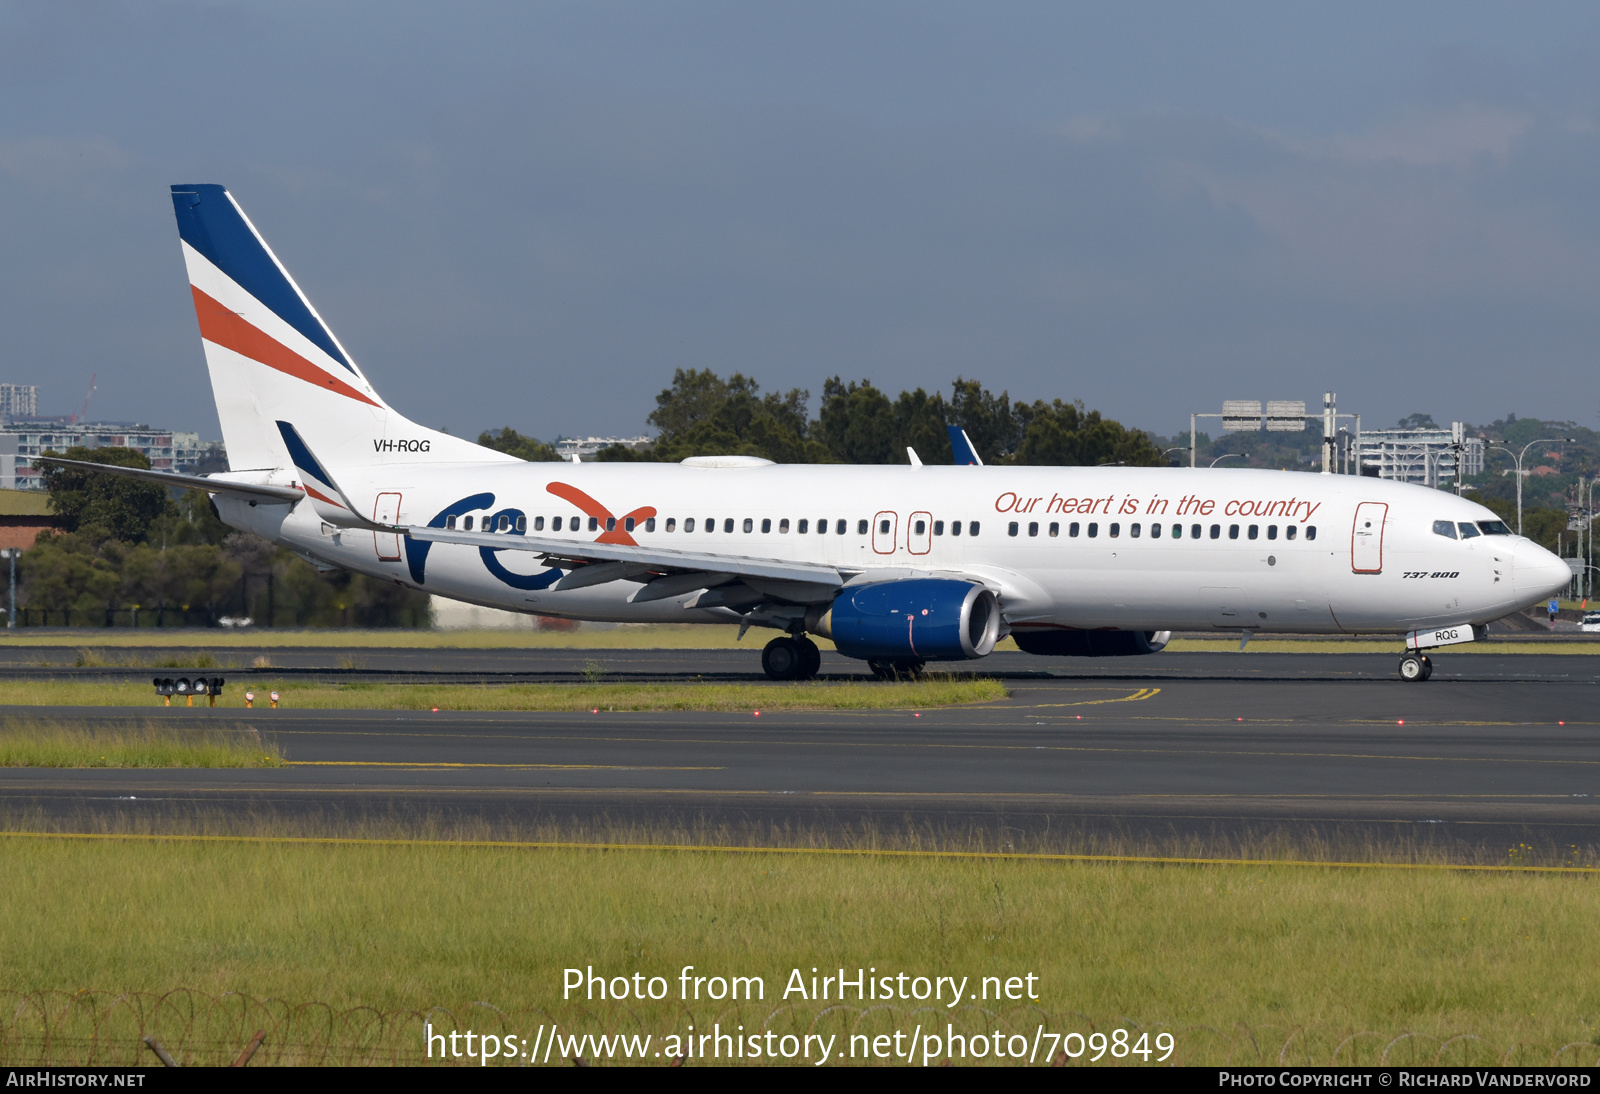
point(961, 447)
point(331, 503)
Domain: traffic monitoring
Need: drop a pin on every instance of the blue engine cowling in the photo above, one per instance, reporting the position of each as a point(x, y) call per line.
point(1091, 643)
point(927, 619)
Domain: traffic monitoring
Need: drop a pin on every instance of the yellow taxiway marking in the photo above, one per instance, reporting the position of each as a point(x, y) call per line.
point(692, 848)
point(1141, 694)
point(549, 767)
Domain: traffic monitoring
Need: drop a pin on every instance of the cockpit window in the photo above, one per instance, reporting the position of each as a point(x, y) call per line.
point(1468, 530)
point(1493, 528)
point(1446, 528)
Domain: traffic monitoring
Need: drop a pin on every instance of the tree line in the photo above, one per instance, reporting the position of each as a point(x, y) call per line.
point(703, 414)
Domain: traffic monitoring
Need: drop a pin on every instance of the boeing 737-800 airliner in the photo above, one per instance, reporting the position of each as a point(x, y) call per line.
point(896, 565)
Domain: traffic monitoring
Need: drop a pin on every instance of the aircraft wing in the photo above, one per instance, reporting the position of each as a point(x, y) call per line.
point(641, 560)
point(253, 491)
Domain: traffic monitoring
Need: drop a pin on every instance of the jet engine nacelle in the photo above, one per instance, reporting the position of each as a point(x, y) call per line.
point(1091, 643)
point(927, 619)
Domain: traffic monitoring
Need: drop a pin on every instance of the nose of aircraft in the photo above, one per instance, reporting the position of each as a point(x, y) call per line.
point(1538, 573)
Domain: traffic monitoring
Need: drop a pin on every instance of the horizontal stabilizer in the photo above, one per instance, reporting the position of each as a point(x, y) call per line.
point(249, 490)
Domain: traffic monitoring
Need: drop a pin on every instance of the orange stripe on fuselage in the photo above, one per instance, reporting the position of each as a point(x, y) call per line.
point(619, 533)
point(232, 331)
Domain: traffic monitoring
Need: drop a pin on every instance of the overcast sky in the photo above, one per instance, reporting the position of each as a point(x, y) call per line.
point(529, 214)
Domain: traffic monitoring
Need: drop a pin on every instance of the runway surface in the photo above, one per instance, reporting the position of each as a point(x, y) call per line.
point(1174, 752)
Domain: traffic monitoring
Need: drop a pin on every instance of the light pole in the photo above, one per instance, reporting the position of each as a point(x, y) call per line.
point(1180, 448)
point(1228, 456)
point(1520, 473)
point(11, 613)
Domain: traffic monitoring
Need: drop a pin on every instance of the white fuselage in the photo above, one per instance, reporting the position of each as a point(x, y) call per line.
point(1103, 547)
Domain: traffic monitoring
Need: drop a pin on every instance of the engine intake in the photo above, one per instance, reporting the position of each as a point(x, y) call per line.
point(927, 619)
point(1091, 643)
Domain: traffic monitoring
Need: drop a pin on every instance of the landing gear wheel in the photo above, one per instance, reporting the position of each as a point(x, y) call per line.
point(811, 658)
point(1413, 667)
point(1427, 666)
point(783, 659)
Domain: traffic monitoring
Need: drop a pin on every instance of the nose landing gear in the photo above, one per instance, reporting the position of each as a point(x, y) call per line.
point(788, 658)
point(1415, 667)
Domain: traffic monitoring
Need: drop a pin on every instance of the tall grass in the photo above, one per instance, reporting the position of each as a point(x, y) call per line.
point(28, 742)
point(405, 926)
point(932, 691)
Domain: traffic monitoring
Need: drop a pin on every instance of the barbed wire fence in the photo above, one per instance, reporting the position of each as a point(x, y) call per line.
point(105, 1029)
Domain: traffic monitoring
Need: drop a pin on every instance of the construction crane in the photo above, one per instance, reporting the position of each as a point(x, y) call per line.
point(83, 415)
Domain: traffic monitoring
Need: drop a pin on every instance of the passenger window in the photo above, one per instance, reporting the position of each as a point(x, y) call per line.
point(627, 524)
point(972, 528)
point(1216, 531)
point(466, 524)
point(450, 521)
point(1311, 531)
point(749, 525)
point(802, 527)
point(649, 524)
point(538, 524)
point(611, 524)
point(727, 524)
point(1288, 533)
point(1468, 530)
point(1155, 531)
point(688, 525)
point(920, 527)
point(594, 524)
point(1055, 529)
point(672, 524)
point(1272, 531)
point(1011, 529)
point(1255, 530)
point(883, 528)
point(1072, 529)
point(1233, 531)
point(1114, 531)
point(1194, 531)
point(1033, 527)
point(861, 527)
point(839, 527)
point(1133, 530)
point(1177, 531)
point(1094, 529)
point(938, 527)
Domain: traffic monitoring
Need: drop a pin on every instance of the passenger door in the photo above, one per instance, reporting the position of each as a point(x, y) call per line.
point(386, 510)
point(1366, 538)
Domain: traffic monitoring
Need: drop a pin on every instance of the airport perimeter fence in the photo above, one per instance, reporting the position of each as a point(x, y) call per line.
point(104, 1029)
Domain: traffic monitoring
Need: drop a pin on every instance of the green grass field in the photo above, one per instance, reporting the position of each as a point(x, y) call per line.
point(26, 742)
point(1277, 952)
point(930, 691)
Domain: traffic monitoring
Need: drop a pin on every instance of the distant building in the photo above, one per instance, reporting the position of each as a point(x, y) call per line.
point(567, 447)
point(23, 515)
point(19, 400)
point(1424, 456)
point(36, 437)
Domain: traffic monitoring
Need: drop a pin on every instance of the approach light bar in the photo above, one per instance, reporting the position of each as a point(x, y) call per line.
point(189, 687)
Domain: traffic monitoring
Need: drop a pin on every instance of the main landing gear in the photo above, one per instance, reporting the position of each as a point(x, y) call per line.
point(791, 658)
point(1415, 666)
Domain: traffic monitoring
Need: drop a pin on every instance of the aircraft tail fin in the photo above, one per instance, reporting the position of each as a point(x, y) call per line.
point(273, 359)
